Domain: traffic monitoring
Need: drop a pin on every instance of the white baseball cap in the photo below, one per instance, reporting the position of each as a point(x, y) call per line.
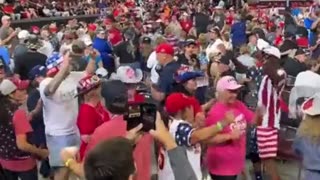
point(8, 86)
point(23, 34)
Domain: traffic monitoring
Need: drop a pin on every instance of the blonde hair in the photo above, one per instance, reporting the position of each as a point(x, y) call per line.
point(168, 30)
point(310, 128)
point(202, 39)
point(160, 40)
point(244, 49)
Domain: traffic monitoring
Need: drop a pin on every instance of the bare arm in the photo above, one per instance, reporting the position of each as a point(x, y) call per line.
point(91, 67)
point(76, 168)
point(315, 24)
point(51, 88)
point(100, 65)
point(12, 34)
point(159, 96)
point(207, 132)
point(24, 145)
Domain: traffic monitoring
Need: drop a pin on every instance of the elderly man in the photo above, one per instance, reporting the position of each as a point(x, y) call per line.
point(165, 54)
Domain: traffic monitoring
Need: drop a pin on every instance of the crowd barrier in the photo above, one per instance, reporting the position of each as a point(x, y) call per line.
point(27, 23)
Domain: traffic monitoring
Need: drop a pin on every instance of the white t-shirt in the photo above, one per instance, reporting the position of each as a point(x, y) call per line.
point(60, 110)
point(181, 131)
point(151, 64)
point(212, 48)
point(65, 47)
point(46, 49)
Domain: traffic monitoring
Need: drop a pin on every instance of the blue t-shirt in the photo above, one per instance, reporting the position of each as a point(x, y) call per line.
point(98, 60)
point(238, 32)
point(166, 80)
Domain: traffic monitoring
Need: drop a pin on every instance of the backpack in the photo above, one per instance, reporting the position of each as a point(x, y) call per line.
point(8, 147)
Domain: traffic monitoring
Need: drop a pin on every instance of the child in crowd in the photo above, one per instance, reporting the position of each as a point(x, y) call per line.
point(180, 109)
point(306, 143)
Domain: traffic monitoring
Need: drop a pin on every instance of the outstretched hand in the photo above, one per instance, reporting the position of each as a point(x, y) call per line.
point(162, 134)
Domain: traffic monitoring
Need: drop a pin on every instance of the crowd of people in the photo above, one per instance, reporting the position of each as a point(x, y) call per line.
point(222, 81)
point(25, 9)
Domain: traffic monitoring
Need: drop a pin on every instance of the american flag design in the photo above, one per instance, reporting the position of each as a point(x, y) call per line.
point(267, 131)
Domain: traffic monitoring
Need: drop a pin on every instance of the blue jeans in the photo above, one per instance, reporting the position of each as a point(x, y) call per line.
point(26, 175)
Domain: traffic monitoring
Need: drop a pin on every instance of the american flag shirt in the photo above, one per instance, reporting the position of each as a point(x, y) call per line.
point(269, 100)
point(180, 130)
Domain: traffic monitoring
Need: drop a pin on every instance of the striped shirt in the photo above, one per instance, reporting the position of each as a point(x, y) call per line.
point(173, 41)
point(267, 132)
point(269, 100)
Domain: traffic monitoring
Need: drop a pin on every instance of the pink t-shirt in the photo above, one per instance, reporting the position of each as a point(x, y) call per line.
point(21, 126)
point(118, 127)
point(228, 158)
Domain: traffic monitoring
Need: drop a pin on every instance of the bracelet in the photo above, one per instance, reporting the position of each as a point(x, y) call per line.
point(67, 163)
point(219, 126)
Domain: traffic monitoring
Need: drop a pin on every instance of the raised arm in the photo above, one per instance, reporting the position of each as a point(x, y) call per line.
point(51, 88)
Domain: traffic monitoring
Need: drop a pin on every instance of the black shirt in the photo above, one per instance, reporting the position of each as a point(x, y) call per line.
point(294, 67)
point(25, 62)
point(182, 59)
point(201, 22)
point(123, 51)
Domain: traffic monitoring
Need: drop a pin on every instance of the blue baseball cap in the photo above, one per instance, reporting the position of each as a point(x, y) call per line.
point(37, 71)
point(186, 73)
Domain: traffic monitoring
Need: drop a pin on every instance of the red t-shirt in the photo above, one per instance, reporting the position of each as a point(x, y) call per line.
point(229, 20)
point(115, 36)
point(118, 127)
point(278, 41)
point(89, 118)
point(21, 127)
point(186, 25)
point(196, 105)
point(302, 42)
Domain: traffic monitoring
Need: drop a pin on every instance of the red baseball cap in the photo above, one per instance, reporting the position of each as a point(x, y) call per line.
point(88, 83)
point(176, 102)
point(165, 48)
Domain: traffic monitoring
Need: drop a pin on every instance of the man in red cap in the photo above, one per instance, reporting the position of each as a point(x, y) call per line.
point(114, 34)
point(168, 67)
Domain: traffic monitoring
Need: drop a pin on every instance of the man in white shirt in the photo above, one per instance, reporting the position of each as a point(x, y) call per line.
point(152, 64)
point(47, 48)
point(60, 108)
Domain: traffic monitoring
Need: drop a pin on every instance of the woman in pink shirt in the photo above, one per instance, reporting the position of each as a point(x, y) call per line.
point(226, 155)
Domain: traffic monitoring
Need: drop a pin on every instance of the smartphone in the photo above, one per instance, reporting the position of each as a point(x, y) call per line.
point(144, 114)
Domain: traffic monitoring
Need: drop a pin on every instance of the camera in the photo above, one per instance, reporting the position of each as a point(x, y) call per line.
point(144, 113)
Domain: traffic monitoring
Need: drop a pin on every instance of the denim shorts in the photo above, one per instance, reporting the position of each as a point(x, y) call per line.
point(56, 143)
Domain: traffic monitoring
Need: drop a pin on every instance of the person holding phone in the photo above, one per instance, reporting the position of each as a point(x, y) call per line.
point(116, 101)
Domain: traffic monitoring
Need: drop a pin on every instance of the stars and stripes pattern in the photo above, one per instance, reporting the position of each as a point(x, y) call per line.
point(54, 60)
point(267, 132)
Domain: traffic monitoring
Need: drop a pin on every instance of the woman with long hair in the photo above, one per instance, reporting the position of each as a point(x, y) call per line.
point(17, 153)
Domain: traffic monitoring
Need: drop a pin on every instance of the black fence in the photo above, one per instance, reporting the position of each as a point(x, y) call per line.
point(27, 23)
